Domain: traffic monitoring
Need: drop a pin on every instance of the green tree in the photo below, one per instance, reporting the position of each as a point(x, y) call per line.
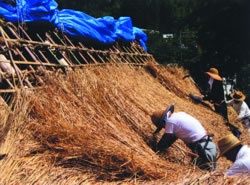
point(223, 34)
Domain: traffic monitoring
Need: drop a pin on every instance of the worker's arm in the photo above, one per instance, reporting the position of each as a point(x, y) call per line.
point(160, 126)
point(157, 130)
point(236, 131)
point(166, 141)
point(207, 97)
point(229, 102)
point(196, 98)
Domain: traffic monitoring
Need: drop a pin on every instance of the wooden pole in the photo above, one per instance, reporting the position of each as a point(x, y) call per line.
point(11, 59)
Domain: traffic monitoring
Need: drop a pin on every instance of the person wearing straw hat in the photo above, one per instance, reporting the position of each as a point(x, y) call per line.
point(233, 149)
point(215, 92)
point(185, 127)
point(241, 107)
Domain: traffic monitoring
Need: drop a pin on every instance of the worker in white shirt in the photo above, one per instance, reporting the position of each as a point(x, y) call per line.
point(233, 149)
point(185, 127)
point(241, 108)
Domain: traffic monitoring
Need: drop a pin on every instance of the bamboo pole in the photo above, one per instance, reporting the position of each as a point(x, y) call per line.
point(66, 48)
point(17, 90)
point(11, 58)
point(21, 55)
point(6, 79)
point(134, 51)
point(69, 50)
point(58, 65)
point(26, 48)
point(51, 52)
point(85, 60)
point(53, 42)
point(93, 59)
point(118, 51)
point(40, 52)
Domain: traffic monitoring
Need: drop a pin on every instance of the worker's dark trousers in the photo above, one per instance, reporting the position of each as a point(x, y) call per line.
point(222, 110)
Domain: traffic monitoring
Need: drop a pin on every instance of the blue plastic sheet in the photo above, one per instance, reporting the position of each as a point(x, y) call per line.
point(75, 23)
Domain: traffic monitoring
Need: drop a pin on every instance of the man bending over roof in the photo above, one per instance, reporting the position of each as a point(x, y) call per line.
point(241, 108)
point(233, 149)
point(187, 128)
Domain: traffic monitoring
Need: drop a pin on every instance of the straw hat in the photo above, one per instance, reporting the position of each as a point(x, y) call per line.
point(238, 96)
point(157, 116)
point(214, 73)
point(228, 142)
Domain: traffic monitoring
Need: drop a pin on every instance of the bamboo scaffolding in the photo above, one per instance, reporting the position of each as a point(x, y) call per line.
point(31, 56)
point(37, 63)
point(21, 55)
point(40, 52)
point(49, 48)
point(65, 36)
point(34, 44)
point(11, 58)
point(88, 52)
point(61, 52)
point(74, 56)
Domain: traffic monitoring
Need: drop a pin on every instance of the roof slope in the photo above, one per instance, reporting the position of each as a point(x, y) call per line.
point(28, 50)
point(93, 126)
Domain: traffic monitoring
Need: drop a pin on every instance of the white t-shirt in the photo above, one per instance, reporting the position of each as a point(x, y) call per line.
point(241, 165)
point(185, 127)
point(241, 108)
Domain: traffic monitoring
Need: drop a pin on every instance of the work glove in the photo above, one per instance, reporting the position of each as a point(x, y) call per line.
point(198, 98)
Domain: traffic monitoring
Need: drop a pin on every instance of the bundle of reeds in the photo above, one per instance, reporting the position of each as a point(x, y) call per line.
point(93, 126)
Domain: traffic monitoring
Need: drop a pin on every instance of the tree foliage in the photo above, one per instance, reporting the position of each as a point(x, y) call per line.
point(223, 34)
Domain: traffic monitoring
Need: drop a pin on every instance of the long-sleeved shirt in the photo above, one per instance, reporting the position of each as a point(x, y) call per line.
point(241, 166)
point(241, 108)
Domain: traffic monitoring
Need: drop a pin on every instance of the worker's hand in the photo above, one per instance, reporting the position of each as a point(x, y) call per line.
point(167, 115)
point(198, 98)
point(153, 143)
point(204, 93)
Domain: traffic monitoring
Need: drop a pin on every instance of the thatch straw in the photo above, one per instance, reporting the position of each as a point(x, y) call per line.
point(94, 126)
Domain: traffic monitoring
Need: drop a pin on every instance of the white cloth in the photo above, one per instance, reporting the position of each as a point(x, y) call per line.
point(241, 166)
point(210, 82)
point(185, 127)
point(241, 108)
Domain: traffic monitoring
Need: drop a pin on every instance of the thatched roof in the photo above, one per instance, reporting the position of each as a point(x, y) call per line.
point(28, 51)
point(93, 126)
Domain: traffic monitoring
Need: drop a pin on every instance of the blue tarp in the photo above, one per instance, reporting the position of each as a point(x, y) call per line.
point(75, 23)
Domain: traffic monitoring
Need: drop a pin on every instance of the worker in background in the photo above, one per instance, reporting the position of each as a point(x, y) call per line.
point(187, 128)
point(241, 108)
point(215, 92)
point(232, 148)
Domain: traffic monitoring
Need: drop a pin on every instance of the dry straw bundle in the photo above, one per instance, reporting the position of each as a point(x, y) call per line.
point(93, 126)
